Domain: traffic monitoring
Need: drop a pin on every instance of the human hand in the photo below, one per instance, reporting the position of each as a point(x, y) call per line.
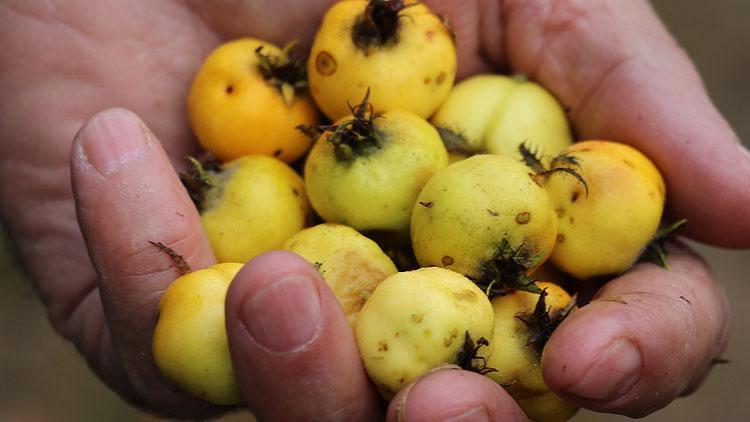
point(121, 59)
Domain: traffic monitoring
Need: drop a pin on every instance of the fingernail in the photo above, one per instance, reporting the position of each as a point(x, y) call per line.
point(113, 139)
point(284, 316)
point(614, 373)
point(478, 414)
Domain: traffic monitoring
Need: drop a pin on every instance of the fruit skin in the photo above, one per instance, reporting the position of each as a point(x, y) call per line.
point(605, 232)
point(415, 72)
point(375, 191)
point(260, 203)
point(517, 363)
point(467, 209)
point(234, 111)
point(190, 343)
point(351, 264)
point(416, 321)
point(496, 113)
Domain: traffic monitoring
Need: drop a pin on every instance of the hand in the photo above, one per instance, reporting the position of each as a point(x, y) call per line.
point(615, 66)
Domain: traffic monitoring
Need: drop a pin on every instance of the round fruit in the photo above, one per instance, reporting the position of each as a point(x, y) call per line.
point(351, 264)
point(605, 231)
point(399, 49)
point(249, 206)
point(246, 99)
point(190, 344)
point(418, 320)
point(484, 217)
point(367, 170)
point(495, 114)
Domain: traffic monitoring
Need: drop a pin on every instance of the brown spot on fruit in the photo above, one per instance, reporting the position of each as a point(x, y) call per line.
point(426, 204)
point(382, 346)
point(575, 196)
point(572, 220)
point(523, 217)
point(427, 80)
point(401, 380)
point(278, 152)
point(466, 296)
point(416, 318)
point(440, 78)
point(430, 35)
point(492, 213)
point(229, 89)
point(325, 63)
point(449, 340)
point(397, 334)
point(560, 238)
point(447, 260)
point(629, 163)
point(560, 212)
point(295, 191)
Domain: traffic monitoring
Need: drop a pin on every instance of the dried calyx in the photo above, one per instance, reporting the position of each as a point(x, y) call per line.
point(563, 163)
point(201, 177)
point(378, 25)
point(457, 143)
point(286, 71)
point(508, 270)
point(468, 358)
point(656, 251)
point(541, 323)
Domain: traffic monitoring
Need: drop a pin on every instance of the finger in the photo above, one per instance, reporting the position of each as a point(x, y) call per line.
point(624, 78)
point(646, 338)
point(127, 195)
point(456, 395)
point(293, 349)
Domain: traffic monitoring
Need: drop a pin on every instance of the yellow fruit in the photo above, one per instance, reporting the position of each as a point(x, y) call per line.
point(484, 217)
point(519, 335)
point(350, 263)
point(419, 320)
point(190, 344)
point(406, 57)
point(605, 232)
point(237, 108)
point(494, 114)
point(367, 173)
point(254, 205)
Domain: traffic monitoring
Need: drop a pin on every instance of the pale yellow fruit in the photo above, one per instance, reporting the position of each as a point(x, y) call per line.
point(494, 114)
point(190, 343)
point(517, 362)
point(469, 210)
point(375, 189)
point(351, 264)
point(235, 111)
point(414, 70)
point(605, 232)
point(257, 203)
point(419, 320)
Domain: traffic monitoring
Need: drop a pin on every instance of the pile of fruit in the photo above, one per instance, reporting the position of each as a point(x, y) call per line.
point(428, 208)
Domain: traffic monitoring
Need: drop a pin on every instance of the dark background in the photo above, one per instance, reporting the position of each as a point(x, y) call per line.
point(42, 377)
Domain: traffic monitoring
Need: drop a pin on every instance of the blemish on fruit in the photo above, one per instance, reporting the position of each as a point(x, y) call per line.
point(229, 89)
point(427, 80)
point(574, 197)
point(629, 163)
point(466, 296)
point(416, 318)
point(401, 380)
point(447, 260)
point(572, 220)
point(449, 340)
point(430, 35)
point(560, 238)
point(440, 78)
point(426, 204)
point(560, 212)
point(325, 63)
point(523, 217)
point(278, 152)
point(382, 346)
point(295, 191)
point(492, 213)
point(397, 334)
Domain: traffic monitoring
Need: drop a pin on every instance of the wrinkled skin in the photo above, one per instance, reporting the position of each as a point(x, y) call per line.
point(612, 63)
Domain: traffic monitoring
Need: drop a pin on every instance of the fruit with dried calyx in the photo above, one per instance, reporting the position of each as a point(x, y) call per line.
point(494, 114)
point(248, 206)
point(351, 264)
point(366, 170)
point(419, 320)
point(399, 49)
point(247, 98)
point(487, 218)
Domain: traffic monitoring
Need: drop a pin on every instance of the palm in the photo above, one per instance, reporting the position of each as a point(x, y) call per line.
point(88, 56)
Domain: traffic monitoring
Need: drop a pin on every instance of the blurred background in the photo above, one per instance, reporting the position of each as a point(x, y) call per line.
point(42, 378)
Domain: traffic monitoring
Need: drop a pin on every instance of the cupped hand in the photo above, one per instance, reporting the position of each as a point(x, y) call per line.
point(647, 337)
